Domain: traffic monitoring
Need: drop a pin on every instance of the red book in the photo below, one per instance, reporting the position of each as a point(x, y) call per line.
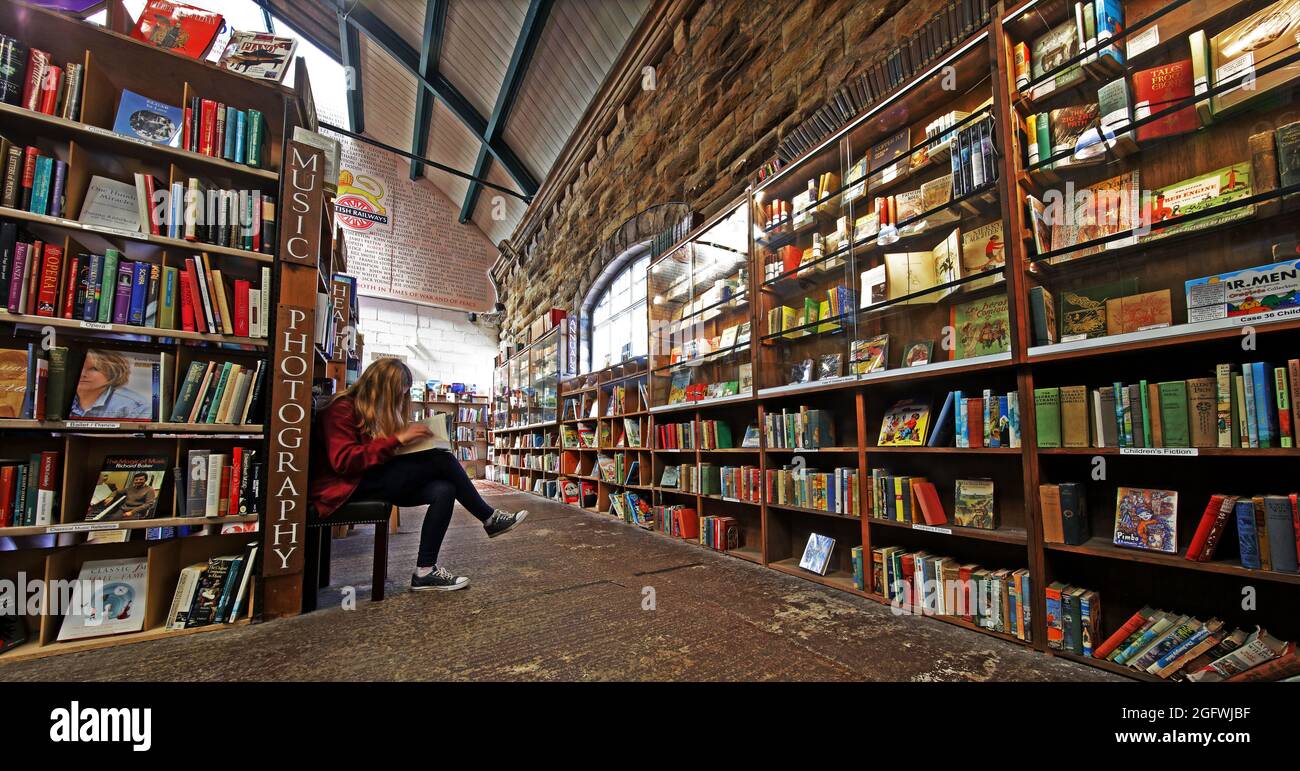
point(240, 320)
point(187, 303)
point(1134, 623)
point(975, 421)
point(688, 524)
point(219, 134)
point(29, 175)
point(185, 129)
point(931, 506)
point(50, 89)
point(72, 275)
point(150, 187)
point(47, 297)
point(177, 27)
point(232, 483)
point(223, 502)
point(37, 61)
point(7, 495)
point(1158, 88)
point(199, 322)
point(1208, 532)
point(207, 126)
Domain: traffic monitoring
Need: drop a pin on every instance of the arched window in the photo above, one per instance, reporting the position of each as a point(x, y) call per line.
point(618, 317)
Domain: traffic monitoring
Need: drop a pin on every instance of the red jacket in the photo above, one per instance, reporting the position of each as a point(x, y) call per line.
point(341, 455)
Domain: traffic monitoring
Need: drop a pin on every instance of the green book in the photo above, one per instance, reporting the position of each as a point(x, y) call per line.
point(1279, 387)
point(1044, 127)
point(256, 132)
point(1047, 409)
point(167, 299)
point(56, 402)
point(188, 392)
point(1146, 415)
point(210, 408)
point(723, 438)
point(108, 285)
point(1173, 413)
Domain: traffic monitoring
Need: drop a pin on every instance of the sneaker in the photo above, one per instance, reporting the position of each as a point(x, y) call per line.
point(502, 522)
point(440, 580)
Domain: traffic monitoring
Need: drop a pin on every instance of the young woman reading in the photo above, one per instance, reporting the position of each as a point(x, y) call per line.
point(355, 457)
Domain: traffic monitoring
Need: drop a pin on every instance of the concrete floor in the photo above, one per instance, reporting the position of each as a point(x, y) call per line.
point(561, 598)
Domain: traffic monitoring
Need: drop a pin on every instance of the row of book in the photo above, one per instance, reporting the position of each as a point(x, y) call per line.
point(681, 389)
point(738, 483)
point(835, 491)
point(1175, 646)
point(471, 414)
point(631, 508)
point(212, 592)
point(29, 489)
point(802, 429)
point(618, 402)
point(1268, 530)
point(914, 500)
point(721, 533)
point(924, 583)
point(34, 82)
point(221, 392)
point(195, 210)
point(677, 520)
point(219, 130)
point(991, 420)
point(40, 279)
point(31, 181)
point(619, 469)
point(684, 477)
point(1255, 408)
point(221, 484)
point(675, 436)
point(957, 20)
point(791, 323)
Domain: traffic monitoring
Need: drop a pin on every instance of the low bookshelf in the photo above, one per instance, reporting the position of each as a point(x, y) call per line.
point(114, 448)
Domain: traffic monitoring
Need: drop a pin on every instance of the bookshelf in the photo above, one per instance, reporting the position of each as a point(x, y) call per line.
point(55, 550)
point(524, 412)
point(469, 421)
point(817, 225)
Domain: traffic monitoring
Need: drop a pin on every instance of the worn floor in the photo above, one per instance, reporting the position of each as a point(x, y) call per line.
point(561, 598)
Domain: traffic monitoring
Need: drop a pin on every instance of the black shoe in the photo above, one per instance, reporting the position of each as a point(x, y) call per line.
point(440, 580)
point(502, 522)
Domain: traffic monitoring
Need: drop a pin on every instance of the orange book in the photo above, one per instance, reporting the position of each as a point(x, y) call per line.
point(931, 506)
point(688, 524)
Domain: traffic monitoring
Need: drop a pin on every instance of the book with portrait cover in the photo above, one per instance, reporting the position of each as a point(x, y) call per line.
point(1146, 519)
point(110, 599)
point(128, 488)
point(118, 385)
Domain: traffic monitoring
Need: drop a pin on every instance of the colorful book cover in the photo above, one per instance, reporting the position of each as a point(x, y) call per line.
point(140, 117)
point(981, 327)
point(982, 249)
point(1083, 311)
point(128, 488)
point(870, 355)
point(258, 55)
point(973, 504)
point(817, 553)
point(177, 27)
point(118, 603)
point(117, 385)
point(1049, 52)
point(1146, 519)
point(1218, 188)
point(1248, 292)
point(905, 425)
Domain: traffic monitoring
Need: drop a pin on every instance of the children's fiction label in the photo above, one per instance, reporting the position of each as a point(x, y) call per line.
point(1182, 452)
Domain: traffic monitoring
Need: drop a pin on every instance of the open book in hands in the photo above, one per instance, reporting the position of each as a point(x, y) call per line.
point(440, 424)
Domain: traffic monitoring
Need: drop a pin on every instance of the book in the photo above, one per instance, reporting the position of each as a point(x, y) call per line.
point(177, 27)
point(1146, 519)
point(973, 504)
point(1264, 37)
point(1048, 54)
point(1083, 311)
point(118, 385)
point(258, 55)
point(110, 204)
point(1157, 90)
point(817, 553)
point(127, 488)
point(904, 425)
point(1215, 189)
point(981, 327)
point(1264, 289)
point(119, 607)
point(870, 355)
point(1139, 312)
point(149, 120)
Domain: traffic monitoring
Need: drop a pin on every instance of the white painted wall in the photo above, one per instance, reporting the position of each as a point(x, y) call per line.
point(435, 343)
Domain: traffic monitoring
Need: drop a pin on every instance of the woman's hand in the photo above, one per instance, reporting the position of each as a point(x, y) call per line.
point(414, 432)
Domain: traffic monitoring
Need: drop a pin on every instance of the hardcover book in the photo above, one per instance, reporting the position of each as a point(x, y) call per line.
point(140, 117)
point(115, 606)
point(1146, 519)
point(981, 327)
point(1155, 91)
point(128, 488)
point(110, 204)
point(904, 425)
point(973, 504)
point(1217, 188)
point(1083, 311)
point(177, 27)
point(982, 249)
point(1048, 53)
point(1263, 38)
point(817, 553)
point(1076, 132)
point(1139, 312)
point(871, 355)
point(1247, 292)
point(258, 55)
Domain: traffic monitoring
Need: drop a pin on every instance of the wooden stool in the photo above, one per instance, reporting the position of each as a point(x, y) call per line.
point(316, 570)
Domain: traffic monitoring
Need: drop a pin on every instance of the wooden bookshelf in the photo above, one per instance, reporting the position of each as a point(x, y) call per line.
point(774, 534)
point(113, 61)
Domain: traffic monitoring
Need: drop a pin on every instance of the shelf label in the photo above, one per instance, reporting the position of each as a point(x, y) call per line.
point(119, 232)
point(1144, 42)
point(1182, 452)
point(90, 424)
point(1255, 318)
point(932, 529)
point(83, 527)
point(103, 326)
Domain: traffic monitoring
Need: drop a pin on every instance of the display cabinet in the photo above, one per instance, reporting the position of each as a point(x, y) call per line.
point(699, 315)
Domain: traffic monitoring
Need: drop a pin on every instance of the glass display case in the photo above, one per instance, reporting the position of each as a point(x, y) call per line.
point(699, 316)
point(544, 372)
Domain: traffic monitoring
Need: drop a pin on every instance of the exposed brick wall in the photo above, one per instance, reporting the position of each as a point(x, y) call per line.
point(436, 343)
point(739, 76)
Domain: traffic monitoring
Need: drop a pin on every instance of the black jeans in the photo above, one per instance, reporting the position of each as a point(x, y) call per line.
point(433, 477)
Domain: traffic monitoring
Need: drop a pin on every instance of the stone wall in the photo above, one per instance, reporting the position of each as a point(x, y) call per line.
point(739, 75)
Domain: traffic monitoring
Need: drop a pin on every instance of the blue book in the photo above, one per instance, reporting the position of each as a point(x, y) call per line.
point(41, 185)
point(56, 188)
point(1125, 440)
point(241, 136)
point(960, 439)
point(941, 433)
point(139, 292)
point(90, 306)
point(1110, 25)
point(148, 120)
point(1261, 380)
point(228, 141)
point(1246, 537)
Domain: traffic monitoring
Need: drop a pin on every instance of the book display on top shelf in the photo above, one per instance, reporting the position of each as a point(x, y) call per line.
point(700, 316)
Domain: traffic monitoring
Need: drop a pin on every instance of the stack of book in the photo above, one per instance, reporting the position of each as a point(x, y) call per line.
point(29, 490)
point(675, 436)
point(924, 583)
point(1175, 646)
point(222, 131)
point(631, 508)
point(677, 520)
point(803, 429)
point(1073, 619)
point(741, 483)
point(32, 182)
point(212, 592)
point(1255, 408)
point(1268, 530)
point(832, 491)
point(721, 533)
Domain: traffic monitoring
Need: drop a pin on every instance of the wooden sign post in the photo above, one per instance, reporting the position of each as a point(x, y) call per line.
point(298, 259)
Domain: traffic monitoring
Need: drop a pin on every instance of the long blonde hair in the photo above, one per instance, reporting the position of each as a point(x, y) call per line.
point(381, 397)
